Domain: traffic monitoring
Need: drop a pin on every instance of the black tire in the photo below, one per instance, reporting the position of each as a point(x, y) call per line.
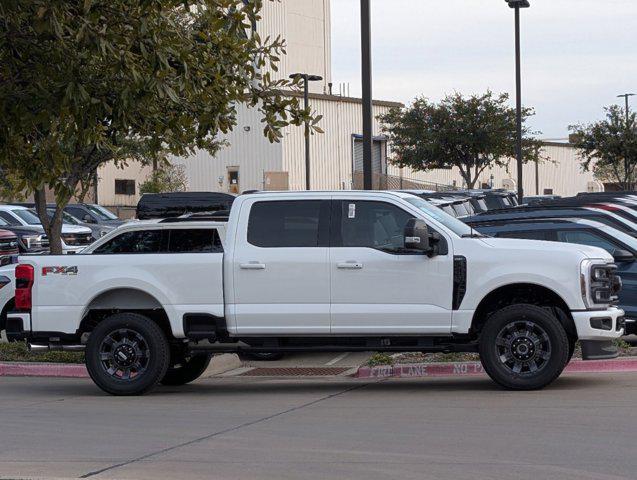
point(262, 356)
point(523, 347)
point(187, 370)
point(127, 354)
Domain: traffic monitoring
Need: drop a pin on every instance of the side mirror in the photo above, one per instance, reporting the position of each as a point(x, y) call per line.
point(623, 256)
point(417, 236)
point(88, 219)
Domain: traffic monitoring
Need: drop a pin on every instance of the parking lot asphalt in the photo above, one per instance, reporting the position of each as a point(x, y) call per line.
point(582, 427)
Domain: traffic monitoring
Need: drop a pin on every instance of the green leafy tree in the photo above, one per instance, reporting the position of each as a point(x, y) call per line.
point(470, 133)
point(609, 147)
point(83, 83)
point(166, 178)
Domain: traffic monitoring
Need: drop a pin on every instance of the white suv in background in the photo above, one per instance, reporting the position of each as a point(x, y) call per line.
point(74, 237)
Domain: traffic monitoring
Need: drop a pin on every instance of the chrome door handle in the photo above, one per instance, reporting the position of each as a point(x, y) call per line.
point(252, 266)
point(349, 265)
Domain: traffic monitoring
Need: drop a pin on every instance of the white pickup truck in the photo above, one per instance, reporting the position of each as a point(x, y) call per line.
point(316, 271)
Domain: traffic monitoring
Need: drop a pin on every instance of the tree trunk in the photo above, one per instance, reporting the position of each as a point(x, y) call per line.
point(466, 176)
point(52, 226)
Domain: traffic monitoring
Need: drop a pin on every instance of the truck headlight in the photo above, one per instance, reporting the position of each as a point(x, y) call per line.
point(600, 283)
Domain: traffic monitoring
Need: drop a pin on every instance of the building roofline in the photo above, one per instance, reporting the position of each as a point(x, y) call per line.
point(339, 98)
point(552, 143)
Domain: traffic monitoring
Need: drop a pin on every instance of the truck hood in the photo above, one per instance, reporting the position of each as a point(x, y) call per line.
point(541, 245)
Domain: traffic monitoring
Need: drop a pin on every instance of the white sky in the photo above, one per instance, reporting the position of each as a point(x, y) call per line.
point(577, 55)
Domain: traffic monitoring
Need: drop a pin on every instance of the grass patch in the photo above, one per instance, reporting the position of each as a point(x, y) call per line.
point(18, 352)
point(380, 359)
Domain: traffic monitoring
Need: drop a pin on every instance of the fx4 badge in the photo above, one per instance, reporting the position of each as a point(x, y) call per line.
point(59, 271)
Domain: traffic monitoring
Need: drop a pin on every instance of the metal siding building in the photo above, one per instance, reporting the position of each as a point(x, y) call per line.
point(252, 161)
point(559, 172)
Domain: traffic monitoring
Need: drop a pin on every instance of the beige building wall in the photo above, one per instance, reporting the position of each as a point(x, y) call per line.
point(107, 174)
point(248, 152)
point(305, 25)
point(560, 172)
point(331, 156)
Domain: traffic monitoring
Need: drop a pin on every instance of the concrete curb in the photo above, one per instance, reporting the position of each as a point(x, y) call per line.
point(67, 370)
point(465, 369)
point(228, 363)
point(219, 364)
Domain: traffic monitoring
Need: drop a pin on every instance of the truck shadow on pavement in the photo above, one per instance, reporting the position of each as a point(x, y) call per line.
point(230, 387)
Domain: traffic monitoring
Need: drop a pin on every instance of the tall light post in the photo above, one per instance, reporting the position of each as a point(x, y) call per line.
point(517, 5)
point(307, 78)
point(625, 96)
point(366, 74)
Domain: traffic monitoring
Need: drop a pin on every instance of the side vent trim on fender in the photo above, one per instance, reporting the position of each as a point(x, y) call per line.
point(459, 280)
point(204, 326)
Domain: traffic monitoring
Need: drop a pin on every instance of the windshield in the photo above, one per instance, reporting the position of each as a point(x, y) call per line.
point(66, 218)
point(453, 224)
point(460, 209)
point(101, 212)
point(27, 216)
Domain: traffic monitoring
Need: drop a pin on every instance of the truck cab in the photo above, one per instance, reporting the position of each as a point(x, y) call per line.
point(326, 271)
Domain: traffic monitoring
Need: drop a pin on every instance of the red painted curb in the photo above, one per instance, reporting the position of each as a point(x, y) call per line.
point(43, 370)
point(465, 369)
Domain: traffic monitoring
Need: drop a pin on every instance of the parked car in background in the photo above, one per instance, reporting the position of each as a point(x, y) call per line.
point(526, 213)
point(495, 199)
point(8, 246)
point(97, 229)
point(622, 246)
point(533, 199)
point(31, 238)
point(74, 237)
point(93, 214)
point(7, 293)
point(456, 205)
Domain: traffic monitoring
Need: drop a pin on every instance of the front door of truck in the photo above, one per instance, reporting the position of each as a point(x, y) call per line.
point(374, 288)
point(280, 265)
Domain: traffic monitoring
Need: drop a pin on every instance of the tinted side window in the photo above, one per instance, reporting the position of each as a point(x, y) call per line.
point(77, 212)
point(143, 241)
point(9, 218)
point(372, 224)
point(285, 224)
point(194, 241)
point(581, 237)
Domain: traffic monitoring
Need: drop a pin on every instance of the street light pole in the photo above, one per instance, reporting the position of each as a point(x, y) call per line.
point(626, 96)
point(366, 73)
point(517, 5)
point(307, 78)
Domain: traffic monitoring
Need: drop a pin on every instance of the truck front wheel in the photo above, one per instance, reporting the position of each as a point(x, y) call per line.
point(127, 354)
point(187, 370)
point(523, 347)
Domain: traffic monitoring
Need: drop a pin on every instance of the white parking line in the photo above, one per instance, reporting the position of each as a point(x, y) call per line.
point(337, 359)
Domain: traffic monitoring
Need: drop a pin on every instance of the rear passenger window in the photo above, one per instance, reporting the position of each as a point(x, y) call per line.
point(194, 241)
point(284, 224)
point(140, 241)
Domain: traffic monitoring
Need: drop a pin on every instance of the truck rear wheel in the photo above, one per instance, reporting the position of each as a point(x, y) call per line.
point(523, 347)
point(127, 354)
point(187, 370)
